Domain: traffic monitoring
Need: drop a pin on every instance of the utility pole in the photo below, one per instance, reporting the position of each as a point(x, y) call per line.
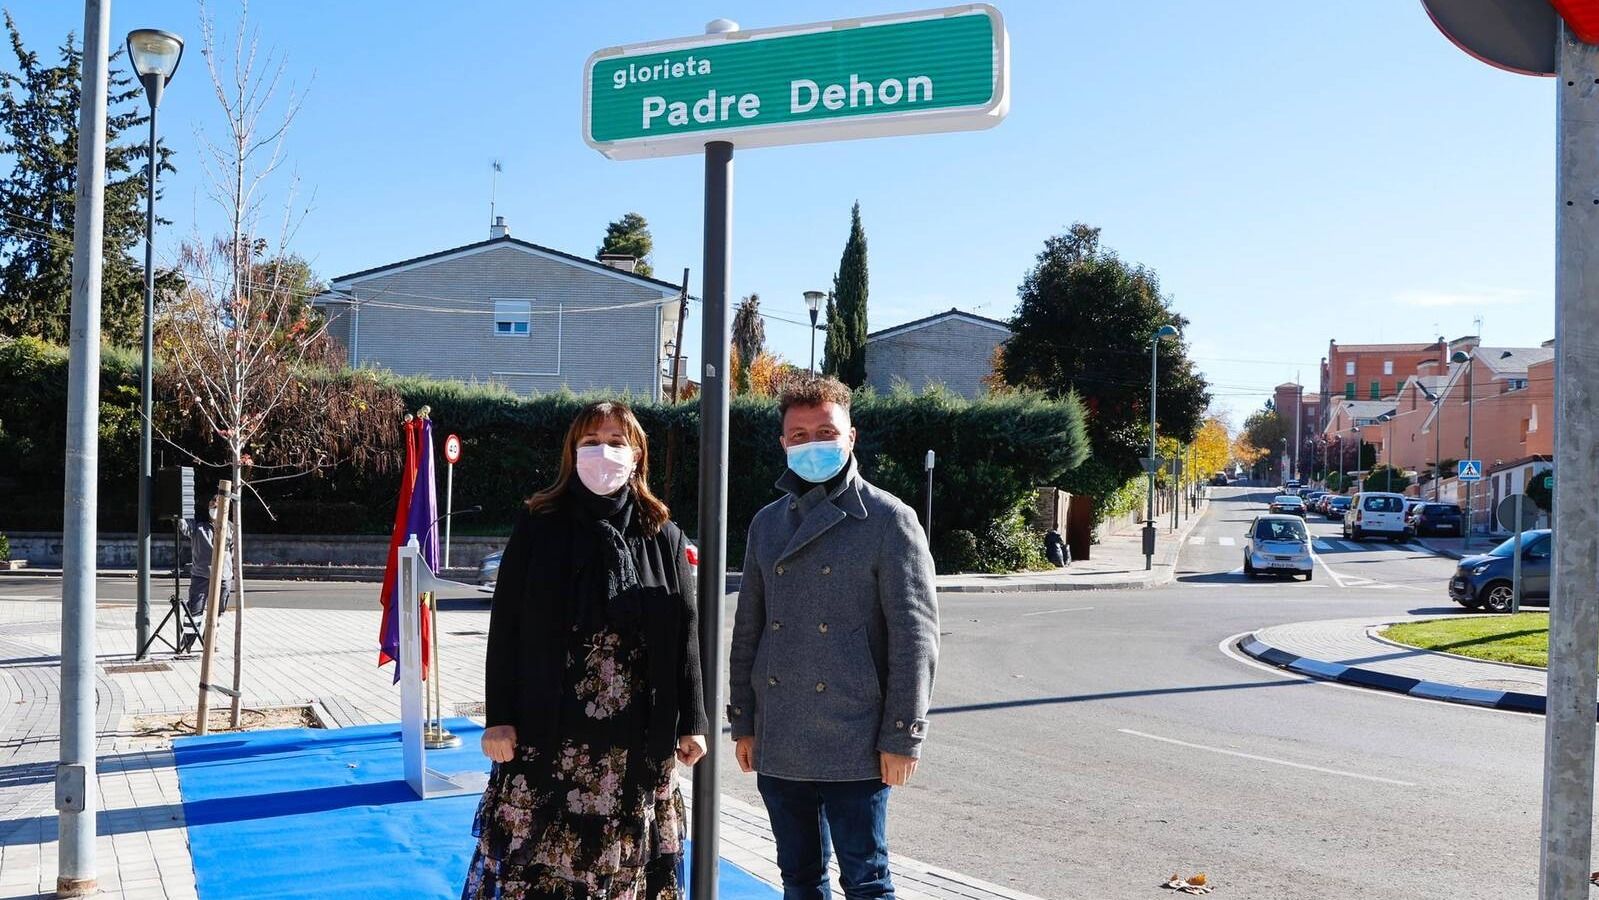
point(1567, 846)
point(1299, 432)
point(76, 796)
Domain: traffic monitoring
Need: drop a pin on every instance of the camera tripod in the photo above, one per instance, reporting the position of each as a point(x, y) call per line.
point(188, 631)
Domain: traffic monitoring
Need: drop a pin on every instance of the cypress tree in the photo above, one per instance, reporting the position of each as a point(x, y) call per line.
point(845, 358)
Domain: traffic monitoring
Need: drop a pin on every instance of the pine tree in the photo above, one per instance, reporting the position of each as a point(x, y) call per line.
point(39, 133)
point(630, 235)
point(845, 357)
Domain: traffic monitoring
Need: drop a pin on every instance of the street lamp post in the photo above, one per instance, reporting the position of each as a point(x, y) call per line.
point(813, 302)
point(155, 55)
point(1360, 448)
point(1437, 447)
point(1469, 359)
point(1149, 526)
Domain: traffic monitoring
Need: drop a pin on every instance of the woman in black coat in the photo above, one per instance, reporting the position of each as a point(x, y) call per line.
point(593, 683)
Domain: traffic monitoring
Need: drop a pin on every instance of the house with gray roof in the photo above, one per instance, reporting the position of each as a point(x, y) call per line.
point(953, 348)
point(512, 312)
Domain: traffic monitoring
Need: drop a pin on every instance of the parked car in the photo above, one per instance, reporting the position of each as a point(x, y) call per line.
point(1287, 504)
point(1278, 544)
point(1375, 514)
point(1486, 580)
point(488, 571)
point(1434, 518)
point(1337, 506)
point(1219, 479)
point(1311, 498)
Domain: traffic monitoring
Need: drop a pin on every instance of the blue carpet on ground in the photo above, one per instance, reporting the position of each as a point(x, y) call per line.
point(315, 813)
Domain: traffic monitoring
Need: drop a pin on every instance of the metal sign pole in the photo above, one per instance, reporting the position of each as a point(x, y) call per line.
point(76, 796)
point(449, 505)
point(1515, 565)
point(1567, 846)
point(715, 337)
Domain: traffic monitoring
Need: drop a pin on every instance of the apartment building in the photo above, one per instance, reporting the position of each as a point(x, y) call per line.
point(1379, 371)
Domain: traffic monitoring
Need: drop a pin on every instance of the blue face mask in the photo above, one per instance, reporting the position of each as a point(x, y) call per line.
point(818, 461)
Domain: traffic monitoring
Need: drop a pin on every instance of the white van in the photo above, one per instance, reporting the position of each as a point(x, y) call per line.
point(1375, 514)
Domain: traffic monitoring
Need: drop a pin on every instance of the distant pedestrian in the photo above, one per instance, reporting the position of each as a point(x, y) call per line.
point(834, 647)
point(593, 683)
point(201, 532)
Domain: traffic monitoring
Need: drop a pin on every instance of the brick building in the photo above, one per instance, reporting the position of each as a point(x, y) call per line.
point(1285, 398)
point(1379, 371)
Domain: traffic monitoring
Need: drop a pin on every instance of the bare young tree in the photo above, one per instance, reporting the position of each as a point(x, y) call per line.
point(243, 350)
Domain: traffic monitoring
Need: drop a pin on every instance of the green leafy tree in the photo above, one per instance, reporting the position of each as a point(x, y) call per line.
point(1386, 478)
point(629, 235)
point(845, 353)
point(1084, 326)
point(39, 137)
point(1540, 494)
point(1266, 429)
point(749, 340)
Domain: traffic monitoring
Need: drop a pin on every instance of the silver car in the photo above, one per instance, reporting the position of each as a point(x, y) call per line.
point(1278, 544)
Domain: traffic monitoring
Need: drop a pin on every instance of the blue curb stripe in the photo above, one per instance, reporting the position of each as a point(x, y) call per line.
point(1368, 678)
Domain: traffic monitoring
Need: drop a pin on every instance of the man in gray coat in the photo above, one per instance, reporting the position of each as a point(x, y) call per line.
point(834, 646)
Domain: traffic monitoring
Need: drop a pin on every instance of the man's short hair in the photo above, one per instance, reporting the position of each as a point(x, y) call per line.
point(806, 389)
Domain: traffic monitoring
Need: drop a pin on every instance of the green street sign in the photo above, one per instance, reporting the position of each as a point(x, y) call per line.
point(909, 73)
point(1549, 482)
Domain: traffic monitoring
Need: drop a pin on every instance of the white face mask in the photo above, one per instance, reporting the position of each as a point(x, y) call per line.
point(604, 469)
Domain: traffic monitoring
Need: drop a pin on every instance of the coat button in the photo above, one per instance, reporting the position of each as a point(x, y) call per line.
point(827, 570)
point(822, 628)
point(821, 686)
point(779, 570)
point(738, 711)
point(772, 681)
point(900, 724)
point(793, 505)
point(777, 626)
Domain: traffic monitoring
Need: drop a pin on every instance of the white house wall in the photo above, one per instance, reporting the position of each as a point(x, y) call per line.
point(437, 319)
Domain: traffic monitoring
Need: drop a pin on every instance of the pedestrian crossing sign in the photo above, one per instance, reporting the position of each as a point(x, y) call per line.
point(1469, 470)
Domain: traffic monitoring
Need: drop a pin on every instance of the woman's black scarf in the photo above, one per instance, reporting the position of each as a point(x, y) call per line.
point(606, 592)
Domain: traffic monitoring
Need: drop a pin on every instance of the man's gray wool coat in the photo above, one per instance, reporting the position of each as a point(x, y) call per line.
point(836, 635)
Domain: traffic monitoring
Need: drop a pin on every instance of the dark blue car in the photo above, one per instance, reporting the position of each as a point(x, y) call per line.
point(1485, 580)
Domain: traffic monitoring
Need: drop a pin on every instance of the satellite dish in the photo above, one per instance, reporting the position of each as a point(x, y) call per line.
point(1515, 35)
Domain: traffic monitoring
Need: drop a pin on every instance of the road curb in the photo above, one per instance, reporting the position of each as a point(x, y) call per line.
point(1438, 551)
point(1512, 701)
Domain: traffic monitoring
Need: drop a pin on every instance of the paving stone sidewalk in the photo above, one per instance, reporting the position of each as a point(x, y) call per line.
point(324, 659)
point(1353, 642)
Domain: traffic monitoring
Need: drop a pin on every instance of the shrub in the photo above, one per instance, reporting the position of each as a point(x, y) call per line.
point(5, 548)
point(1378, 479)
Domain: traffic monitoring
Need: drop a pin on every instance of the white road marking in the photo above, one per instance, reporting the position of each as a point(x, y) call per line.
point(33, 597)
point(1225, 541)
point(1051, 612)
point(1197, 539)
point(1268, 759)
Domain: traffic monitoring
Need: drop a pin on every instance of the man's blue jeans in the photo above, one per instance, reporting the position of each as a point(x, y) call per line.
point(850, 816)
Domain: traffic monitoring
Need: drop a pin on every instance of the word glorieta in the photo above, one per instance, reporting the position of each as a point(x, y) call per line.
point(804, 95)
point(661, 71)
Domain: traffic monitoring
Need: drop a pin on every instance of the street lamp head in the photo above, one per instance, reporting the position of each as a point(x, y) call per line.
point(1460, 356)
point(155, 55)
point(813, 300)
point(1165, 332)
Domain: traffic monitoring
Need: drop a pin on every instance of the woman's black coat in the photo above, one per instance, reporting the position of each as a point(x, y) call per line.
point(532, 618)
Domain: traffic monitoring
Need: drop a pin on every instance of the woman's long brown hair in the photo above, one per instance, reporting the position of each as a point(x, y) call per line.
point(652, 513)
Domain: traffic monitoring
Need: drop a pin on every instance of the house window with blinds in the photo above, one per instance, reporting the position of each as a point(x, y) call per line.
point(512, 317)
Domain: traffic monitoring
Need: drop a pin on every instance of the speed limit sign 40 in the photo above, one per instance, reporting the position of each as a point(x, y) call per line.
point(452, 449)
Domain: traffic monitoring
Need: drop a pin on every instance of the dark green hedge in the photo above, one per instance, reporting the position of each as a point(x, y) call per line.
point(991, 454)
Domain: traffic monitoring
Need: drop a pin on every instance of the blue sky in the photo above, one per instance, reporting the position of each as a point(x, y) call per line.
point(1294, 172)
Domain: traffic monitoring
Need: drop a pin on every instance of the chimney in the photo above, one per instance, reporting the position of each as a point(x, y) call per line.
point(499, 229)
point(625, 262)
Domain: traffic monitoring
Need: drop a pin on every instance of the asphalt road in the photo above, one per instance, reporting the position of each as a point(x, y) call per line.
point(1088, 744)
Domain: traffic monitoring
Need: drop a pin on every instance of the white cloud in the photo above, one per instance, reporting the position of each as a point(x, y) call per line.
point(1471, 298)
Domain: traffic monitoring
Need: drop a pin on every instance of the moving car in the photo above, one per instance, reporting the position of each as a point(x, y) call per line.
point(1337, 506)
point(1434, 518)
point(488, 571)
point(1375, 514)
point(1288, 504)
point(1485, 580)
point(1278, 544)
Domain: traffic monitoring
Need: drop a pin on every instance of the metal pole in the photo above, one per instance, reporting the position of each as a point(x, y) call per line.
point(927, 520)
point(677, 351)
point(1299, 428)
point(1515, 566)
point(76, 796)
point(813, 342)
point(449, 504)
point(1573, 616)
point(1471, 376)
point(1388, 450)
point(1154, 344)
point(141, 613)
point(1437, 451)
point(714, 347)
